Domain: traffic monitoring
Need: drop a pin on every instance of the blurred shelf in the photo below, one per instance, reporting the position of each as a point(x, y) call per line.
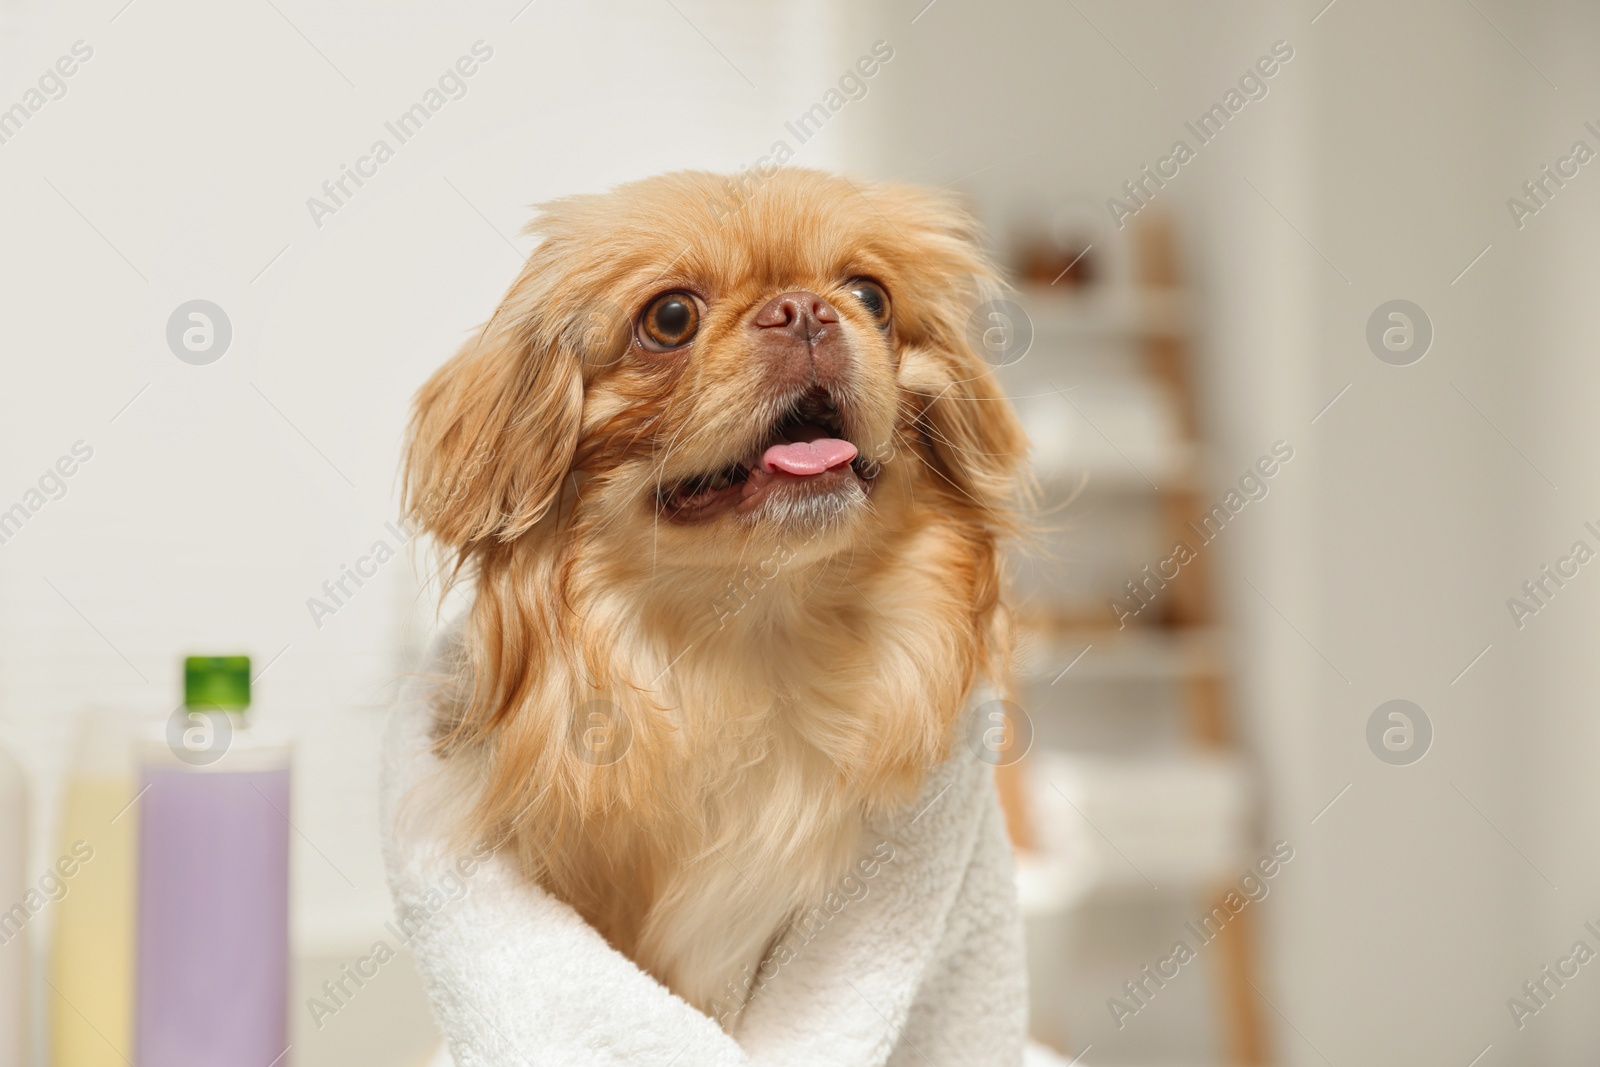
point(1108, 431)
point(1107, 394)
point(1129, 827)
point(1176, 470)
point(1048, 885)
point(1110, 310)
point(1097, 654)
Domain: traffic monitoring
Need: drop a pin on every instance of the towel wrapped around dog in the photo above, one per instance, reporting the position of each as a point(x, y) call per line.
point(915, 958)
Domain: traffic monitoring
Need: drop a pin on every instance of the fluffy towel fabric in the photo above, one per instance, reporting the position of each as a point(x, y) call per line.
point(925, 967)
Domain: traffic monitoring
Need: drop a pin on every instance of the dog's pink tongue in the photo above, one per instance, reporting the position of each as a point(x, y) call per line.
point(808, 457)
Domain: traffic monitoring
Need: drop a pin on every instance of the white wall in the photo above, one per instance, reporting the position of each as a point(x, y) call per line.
point(220, 500)
point(1408, 940)
point(1550, 702)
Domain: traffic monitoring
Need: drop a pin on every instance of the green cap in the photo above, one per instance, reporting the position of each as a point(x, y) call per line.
point(217, 682)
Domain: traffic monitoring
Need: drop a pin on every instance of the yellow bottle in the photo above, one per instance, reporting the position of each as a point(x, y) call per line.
point(90, 996)
point(16, 961)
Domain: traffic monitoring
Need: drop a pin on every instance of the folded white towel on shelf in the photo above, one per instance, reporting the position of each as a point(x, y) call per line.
point(920, 964)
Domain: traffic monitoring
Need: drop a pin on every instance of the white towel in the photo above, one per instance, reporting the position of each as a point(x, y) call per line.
point(924, 967)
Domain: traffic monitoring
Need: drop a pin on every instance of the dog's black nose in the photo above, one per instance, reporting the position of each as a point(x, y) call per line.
point(800, 312)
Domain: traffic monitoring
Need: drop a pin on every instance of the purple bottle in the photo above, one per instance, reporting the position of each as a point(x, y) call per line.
point(213, 904)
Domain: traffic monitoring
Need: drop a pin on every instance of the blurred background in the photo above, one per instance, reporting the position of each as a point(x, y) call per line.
point(1312, 399)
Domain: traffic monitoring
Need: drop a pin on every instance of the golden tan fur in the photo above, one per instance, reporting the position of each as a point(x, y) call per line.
point(777, 678)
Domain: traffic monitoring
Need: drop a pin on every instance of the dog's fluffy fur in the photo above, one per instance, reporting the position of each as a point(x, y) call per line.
point(768, 678)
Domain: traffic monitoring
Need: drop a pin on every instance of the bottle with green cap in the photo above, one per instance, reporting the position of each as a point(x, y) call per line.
point(213, 900)
point(219, 682)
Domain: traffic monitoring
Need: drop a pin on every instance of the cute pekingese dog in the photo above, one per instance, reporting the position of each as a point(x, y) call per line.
point(729, 485)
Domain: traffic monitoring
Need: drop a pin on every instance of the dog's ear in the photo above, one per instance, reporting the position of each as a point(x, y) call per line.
point(493, 432)
point(955, 401)
point(976, 443)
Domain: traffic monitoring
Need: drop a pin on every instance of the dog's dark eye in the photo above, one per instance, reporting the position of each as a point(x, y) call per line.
point(670, 321)
point(873, 298)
